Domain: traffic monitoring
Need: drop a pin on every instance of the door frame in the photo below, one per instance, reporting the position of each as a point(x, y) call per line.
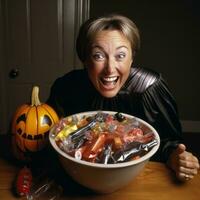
point(3, 113)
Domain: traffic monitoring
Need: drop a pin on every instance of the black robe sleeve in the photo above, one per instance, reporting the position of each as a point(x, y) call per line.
point(160, 110)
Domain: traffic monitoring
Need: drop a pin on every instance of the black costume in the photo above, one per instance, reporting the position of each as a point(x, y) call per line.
point(144, 95)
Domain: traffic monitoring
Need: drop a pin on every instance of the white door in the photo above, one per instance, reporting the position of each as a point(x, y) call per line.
point(39, 46)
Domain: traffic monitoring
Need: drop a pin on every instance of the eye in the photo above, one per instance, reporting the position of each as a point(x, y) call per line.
point(120, 56)
point(98, 56)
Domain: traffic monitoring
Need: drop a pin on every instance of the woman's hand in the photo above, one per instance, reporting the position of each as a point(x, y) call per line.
point(184, 163)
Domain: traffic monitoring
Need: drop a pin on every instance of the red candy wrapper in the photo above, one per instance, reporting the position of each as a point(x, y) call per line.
point(23, 181)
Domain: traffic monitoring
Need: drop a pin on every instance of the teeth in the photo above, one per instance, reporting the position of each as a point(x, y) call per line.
point(110, 79)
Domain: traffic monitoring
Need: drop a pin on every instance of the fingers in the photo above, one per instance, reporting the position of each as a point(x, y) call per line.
point(189, 171)
point(187, 164)
point(186, 156)
point(190, 163)
point(184, 177)
point(181, 148)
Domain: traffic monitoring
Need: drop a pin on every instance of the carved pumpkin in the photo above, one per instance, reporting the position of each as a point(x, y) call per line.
point(31, 125)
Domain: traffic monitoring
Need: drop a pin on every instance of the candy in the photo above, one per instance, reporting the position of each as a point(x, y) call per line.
point(23, 181)
point(104, 138)
point(66, 131)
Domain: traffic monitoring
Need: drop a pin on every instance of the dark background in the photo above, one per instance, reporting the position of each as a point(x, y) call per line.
point(170, 42)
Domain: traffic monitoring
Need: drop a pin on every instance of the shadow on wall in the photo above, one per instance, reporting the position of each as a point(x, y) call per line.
point(191, 142)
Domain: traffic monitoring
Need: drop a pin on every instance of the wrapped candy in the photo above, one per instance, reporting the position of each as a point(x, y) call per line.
point(131, 150)
point(105, 138)
point(106, 154)
point(23, 181)
point(92, 151)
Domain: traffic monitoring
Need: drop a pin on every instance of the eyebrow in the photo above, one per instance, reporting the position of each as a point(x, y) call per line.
point(97, 46)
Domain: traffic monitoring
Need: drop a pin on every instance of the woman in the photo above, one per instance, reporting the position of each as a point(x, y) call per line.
point(109, 81)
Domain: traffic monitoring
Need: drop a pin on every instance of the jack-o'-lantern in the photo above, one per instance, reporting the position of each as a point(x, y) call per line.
point(31, 125)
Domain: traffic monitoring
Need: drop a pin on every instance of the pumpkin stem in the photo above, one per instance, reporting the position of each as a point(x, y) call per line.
point(35, 101)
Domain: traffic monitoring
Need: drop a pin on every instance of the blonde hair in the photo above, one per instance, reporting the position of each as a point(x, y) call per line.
point(91, 27)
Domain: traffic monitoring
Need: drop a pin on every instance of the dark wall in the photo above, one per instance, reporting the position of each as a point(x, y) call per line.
point(170, 44)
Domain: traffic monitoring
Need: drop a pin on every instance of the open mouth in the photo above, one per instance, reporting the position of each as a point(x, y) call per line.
point(109, 82)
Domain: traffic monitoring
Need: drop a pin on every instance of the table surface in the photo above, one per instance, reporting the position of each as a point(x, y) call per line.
point(156, 181)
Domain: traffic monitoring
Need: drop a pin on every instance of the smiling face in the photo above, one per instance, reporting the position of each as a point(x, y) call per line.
point(109, 62)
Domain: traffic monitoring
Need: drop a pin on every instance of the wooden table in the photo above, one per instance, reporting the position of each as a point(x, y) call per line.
point(155, 182)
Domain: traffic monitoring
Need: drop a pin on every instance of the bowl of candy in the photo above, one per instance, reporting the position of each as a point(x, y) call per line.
point(103, 150)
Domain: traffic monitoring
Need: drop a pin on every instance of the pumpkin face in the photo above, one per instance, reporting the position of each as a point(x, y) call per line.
point(31, 124)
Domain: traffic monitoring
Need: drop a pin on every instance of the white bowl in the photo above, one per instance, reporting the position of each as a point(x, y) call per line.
point(105, 178)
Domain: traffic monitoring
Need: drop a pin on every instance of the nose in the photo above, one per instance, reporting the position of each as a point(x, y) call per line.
point(110, 65)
